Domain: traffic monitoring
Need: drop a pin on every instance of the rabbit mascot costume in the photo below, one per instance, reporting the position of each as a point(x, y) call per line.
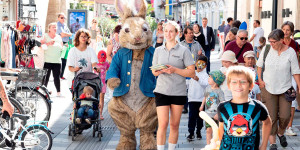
point(133, 105)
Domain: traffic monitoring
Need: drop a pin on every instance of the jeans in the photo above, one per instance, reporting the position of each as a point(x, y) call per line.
point(81, 112)
point(194, 118)
point(256, 51)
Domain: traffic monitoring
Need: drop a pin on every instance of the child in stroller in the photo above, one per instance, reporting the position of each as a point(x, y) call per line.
point(86, 88)
point(85, 106)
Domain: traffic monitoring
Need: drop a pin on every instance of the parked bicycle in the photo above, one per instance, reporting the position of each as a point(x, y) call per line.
point(35, 136)
point(26, 91)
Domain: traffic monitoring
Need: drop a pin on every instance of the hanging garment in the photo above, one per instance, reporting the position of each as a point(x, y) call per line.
point(5, 48)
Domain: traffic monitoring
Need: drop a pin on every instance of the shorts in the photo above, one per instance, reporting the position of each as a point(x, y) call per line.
point(208, 126)
point(165, 100)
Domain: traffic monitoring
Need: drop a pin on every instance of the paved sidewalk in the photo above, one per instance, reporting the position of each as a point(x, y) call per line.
point(62, 107)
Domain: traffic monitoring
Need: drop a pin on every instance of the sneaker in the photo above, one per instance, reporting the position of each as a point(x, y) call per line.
point(63, 78)
point(88, 120)
point(78, 120)
point(199, 137)
point(273, 147)
point(190, 137)
point(184, 111)
point(290, 132)
point(282, 140)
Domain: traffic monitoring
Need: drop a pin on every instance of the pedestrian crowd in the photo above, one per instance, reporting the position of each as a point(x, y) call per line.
point(257, 82)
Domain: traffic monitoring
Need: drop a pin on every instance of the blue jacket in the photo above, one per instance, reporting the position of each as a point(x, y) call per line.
point(120, 67)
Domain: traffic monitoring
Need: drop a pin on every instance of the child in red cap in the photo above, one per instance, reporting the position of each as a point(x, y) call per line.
point(103, 66)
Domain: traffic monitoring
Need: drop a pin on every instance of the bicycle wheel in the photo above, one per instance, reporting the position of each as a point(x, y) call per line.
point(35, 138)
point(18, 109)
point(35, 103)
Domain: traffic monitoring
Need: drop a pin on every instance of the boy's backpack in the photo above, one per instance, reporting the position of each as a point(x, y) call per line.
point(267, 49)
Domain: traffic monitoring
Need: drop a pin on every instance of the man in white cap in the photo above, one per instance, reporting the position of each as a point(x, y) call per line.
point(249, 58)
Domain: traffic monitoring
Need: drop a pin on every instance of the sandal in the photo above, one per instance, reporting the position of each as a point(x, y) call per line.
point(101, 117)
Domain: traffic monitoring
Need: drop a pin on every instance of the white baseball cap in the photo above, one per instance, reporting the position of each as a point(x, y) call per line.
point(249, 54)
point(229, 56)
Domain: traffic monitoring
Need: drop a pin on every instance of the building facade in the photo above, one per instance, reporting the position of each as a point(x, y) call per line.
point(247, 10)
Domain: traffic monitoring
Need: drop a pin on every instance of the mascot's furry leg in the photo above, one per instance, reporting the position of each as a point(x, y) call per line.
point(128, 121)
point(146, 121)
point(124, 118)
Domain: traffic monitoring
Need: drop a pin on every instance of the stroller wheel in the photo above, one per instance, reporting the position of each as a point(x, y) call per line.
point(73, 137)
point(94, 130)
point(70, 130)
point(73, 133)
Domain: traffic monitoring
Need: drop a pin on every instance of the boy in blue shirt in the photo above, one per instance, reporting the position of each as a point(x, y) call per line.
point(239, 118)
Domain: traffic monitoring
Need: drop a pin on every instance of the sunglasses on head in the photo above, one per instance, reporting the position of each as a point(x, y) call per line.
point(242, 38)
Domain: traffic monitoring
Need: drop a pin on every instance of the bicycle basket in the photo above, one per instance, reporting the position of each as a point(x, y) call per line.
point(31, 78)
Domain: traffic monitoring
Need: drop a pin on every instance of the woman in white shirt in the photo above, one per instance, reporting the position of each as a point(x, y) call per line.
point(81, 56)
point(279, 66)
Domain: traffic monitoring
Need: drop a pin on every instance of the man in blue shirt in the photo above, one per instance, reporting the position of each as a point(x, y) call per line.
point(64, 32)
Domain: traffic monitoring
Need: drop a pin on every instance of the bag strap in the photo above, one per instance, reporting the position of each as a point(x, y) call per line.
point(267, 49)
point(240, 52)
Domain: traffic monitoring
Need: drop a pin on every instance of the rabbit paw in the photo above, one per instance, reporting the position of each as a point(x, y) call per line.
point(113, 83)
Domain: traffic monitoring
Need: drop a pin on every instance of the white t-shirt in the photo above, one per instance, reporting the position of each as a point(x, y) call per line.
point(84, 59)
point(279, 69)
point(259, 32)
point(197, 88)
point(254, 92)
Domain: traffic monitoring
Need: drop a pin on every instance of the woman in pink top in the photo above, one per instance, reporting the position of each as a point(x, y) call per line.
point(102, 66)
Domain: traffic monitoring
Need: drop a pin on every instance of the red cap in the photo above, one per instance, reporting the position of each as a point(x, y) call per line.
point(102, 56)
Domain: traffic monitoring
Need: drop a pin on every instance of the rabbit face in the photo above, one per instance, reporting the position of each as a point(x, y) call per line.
point(135, 33)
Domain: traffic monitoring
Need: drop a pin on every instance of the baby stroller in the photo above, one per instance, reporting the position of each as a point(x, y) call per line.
point(80, 81)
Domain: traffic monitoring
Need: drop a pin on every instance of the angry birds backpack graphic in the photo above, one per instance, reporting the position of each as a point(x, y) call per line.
point(239, 125)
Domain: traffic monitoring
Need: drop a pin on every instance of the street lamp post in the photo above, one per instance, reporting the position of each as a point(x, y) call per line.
point(235, 9)
point(274, 14)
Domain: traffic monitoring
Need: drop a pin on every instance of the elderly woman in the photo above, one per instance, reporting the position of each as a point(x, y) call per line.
point(52, 55)
point(170, 92)
point(280, 65)
point(288, 30)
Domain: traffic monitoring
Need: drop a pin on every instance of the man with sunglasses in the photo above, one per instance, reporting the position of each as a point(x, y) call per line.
point(64, 32)
point(240, 45)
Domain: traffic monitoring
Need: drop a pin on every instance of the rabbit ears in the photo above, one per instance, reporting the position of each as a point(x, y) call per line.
point(131, 8)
